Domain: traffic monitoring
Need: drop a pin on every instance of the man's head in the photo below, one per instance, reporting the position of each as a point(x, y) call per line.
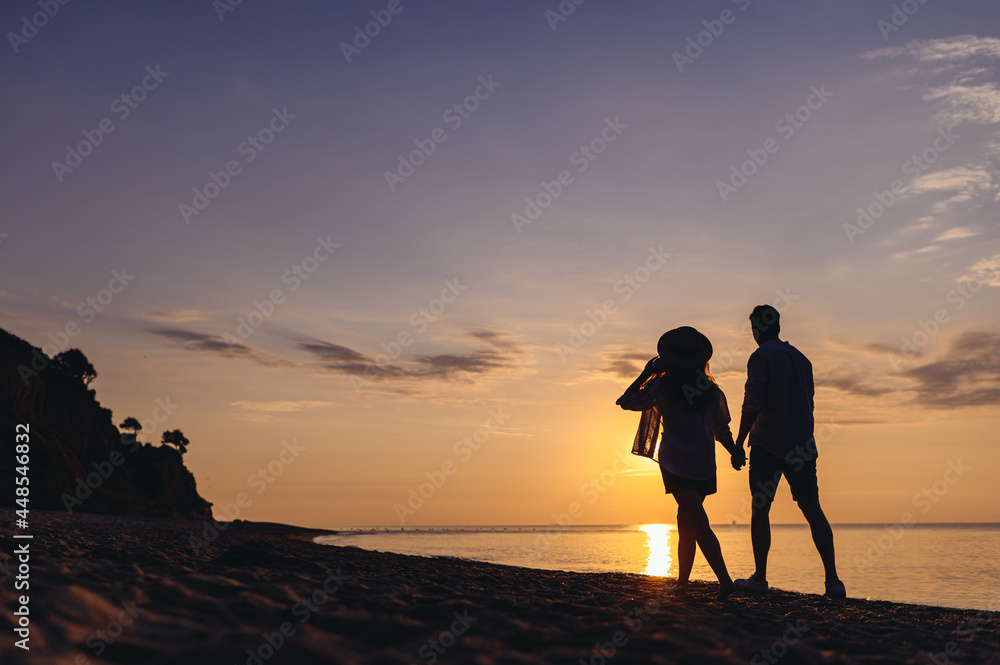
point(764, 323)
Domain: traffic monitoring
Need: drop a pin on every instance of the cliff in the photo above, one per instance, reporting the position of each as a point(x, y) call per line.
point(79, 460)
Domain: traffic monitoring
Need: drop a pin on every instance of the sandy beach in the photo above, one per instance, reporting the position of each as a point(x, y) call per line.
point(135, 590)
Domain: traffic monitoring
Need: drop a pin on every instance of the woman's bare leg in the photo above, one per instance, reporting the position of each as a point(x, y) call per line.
point(690, 503)
point(685, 548)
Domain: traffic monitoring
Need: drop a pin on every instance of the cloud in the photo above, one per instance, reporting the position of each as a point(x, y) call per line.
point(281, 406)
point(957, 233)
point(986, 271)
point(966, 187)
point(345, 360)
point(965, 179)
point(966, 66)
point(175, 315)
point(881, 349)
point(957, 76)
point(857, 386)
point(967, 375)
point(266, 411)
point(625, 364)
point(497, 340)
point(965, 101)
point(946, 50)
point(333, 352)
point(216, 345)
point(449, 364)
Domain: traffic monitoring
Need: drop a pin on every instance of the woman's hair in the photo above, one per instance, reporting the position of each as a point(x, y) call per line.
point(693, 387)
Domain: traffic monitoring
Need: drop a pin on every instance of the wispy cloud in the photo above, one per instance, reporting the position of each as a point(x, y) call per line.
point(987, 271)
point(967, 375)
point(268, 411)
point(625, 364)
point(946, 50)
point(878, 348)
point(957, 78)
point(217, 345)
point(959, 73)
point(175, 315)
point(344, 360)
point(281, 406)
point(957, 233)
point(447, 365)
point(859, 386)
point(497, 340)
point(966, 179)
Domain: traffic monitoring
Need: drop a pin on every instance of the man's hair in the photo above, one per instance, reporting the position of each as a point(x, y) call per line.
point(764, 320)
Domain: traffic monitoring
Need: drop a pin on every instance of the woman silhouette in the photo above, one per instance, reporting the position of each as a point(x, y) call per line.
point(676, 391)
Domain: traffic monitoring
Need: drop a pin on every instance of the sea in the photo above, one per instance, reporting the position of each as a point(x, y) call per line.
point(947, 565)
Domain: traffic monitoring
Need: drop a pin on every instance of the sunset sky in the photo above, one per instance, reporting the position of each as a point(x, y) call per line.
point(291, 266)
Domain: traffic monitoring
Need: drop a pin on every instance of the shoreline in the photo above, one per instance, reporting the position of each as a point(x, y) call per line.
point(871, 566)
point(139, 590)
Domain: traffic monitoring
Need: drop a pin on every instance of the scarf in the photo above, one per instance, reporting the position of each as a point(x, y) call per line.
point(645, 444)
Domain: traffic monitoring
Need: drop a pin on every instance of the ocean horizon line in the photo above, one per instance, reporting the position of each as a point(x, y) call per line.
point(556, 527)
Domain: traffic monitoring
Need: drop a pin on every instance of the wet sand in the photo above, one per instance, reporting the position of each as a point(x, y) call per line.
point(132, 590)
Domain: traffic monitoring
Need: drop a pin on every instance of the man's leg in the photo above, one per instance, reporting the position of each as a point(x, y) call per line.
point(822, 534)
point(760, 533)
point(805, 490)
point(764, 476)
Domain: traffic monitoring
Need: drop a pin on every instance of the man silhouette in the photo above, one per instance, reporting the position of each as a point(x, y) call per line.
point(777, 414)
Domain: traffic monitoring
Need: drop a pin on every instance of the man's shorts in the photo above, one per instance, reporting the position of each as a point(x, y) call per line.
point(766, 470)
point(673, 484)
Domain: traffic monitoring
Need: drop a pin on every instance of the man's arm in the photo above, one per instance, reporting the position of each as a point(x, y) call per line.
point(747, 419)
point(753, 395)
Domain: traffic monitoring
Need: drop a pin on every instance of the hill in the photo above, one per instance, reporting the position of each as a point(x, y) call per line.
point(79, 461)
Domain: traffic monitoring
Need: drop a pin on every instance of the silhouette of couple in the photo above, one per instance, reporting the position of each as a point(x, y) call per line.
point(676, 393)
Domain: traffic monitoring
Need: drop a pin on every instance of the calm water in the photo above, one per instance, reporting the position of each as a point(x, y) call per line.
point(951, 565)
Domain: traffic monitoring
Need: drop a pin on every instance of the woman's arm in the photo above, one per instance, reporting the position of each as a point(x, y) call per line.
point(630, 398)
point(724, 435)
point(649, 370)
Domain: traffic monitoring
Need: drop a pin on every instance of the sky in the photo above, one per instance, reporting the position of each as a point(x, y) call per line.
point(392, 263)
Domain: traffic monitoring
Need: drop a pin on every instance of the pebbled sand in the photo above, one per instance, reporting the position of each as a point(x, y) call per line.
point(124, 590)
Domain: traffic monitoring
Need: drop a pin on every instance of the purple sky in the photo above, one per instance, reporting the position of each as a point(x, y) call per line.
point(629, 140)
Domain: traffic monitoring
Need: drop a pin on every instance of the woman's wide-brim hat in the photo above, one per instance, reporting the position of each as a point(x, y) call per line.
point(684, 347)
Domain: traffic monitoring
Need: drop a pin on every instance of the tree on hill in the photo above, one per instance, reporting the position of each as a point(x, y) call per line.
point(76, 365)
point(176, 438)
point(132, 424)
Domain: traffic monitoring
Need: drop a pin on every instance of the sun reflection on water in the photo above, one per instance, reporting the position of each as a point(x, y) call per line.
point(658, 541)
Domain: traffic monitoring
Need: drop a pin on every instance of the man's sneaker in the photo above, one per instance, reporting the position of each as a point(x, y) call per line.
point(751, 584)
point(836, 589)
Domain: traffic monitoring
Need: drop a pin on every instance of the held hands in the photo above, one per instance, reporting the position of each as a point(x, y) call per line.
point(738, 458)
